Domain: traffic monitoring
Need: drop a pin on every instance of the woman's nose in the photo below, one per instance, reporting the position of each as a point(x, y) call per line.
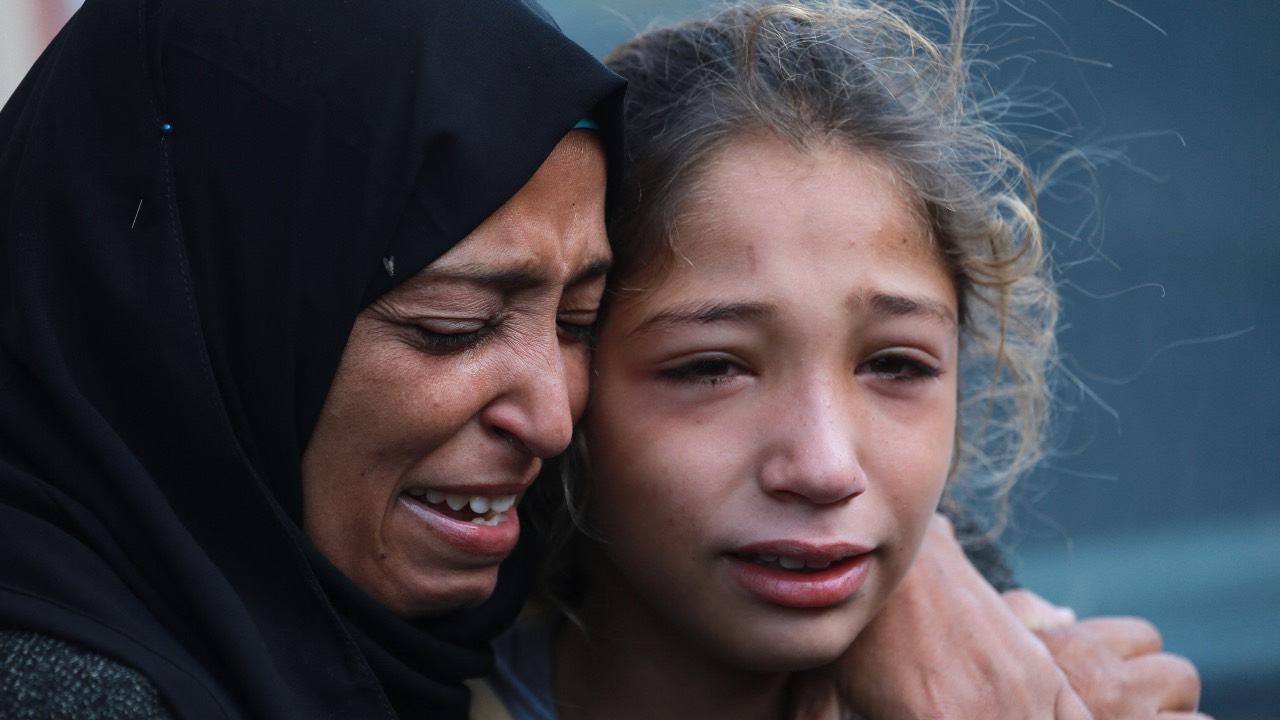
point(534, 408)
point(817, 448)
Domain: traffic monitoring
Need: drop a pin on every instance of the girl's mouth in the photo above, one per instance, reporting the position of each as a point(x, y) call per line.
point(804, 583)
point(787, 562)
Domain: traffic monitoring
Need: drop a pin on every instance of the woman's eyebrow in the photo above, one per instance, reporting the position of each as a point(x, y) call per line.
point(505, 277)
point(702, 313)
point(597, 267)
point(512, 277)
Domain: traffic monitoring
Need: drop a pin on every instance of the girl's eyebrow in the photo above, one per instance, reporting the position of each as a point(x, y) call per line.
point(706, 312)
point(702, 313)
point(892, 305)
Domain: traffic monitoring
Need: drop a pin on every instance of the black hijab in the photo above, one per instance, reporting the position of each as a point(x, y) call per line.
point(196, 198)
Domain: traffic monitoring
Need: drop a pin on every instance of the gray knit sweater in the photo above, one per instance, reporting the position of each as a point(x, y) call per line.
point(42, 678)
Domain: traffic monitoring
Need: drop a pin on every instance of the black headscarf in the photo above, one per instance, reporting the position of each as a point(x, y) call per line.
point(196, 198)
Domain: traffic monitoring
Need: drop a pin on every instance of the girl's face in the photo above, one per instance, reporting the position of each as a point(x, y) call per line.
point(772, 421)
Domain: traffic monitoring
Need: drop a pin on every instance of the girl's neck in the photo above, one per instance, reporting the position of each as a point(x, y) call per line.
point(631, 663)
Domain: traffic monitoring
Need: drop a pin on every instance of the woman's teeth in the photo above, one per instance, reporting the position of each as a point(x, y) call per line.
point(489, 509)
point(789, 563)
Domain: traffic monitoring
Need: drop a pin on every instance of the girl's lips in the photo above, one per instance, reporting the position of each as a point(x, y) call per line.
point(800, 576)
point(486, 542)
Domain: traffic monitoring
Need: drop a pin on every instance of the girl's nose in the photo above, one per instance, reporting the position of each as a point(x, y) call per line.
point(817, 456)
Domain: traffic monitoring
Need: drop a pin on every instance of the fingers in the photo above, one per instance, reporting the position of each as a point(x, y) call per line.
point(1035, 612)
point(1116, 666)
point(1173, 674)
point(1182, 716)
point(1127, 637)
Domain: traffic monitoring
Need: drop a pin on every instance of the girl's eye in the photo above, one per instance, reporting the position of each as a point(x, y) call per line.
point(901, 368)
point(709, 371)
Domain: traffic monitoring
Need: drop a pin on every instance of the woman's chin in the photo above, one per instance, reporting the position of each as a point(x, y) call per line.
point(439, 594)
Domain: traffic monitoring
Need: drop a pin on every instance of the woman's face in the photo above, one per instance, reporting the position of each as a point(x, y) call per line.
point(452, 389)
point(772, 421)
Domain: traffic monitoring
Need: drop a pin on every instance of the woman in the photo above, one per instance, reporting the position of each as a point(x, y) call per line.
point(829, 281)
point(203, 205)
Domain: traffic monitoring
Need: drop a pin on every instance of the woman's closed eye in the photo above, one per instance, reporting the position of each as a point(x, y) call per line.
point(448, 336)
point(578, 327)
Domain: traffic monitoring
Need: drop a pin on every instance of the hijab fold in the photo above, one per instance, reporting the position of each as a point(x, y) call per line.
point(196, 198)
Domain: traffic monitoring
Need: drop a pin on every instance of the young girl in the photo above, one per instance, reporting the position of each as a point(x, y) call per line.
point(829, 301)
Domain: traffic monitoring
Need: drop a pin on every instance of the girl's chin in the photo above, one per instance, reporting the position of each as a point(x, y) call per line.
point(768, 654)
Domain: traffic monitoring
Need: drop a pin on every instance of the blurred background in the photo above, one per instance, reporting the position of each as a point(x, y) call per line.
point(1163, 497)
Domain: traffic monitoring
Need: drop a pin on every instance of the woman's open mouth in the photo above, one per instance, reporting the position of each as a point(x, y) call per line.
point(484, 527)
point(478, 509)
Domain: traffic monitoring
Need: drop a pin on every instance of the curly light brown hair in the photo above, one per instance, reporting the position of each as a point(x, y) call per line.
point(865, 76)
